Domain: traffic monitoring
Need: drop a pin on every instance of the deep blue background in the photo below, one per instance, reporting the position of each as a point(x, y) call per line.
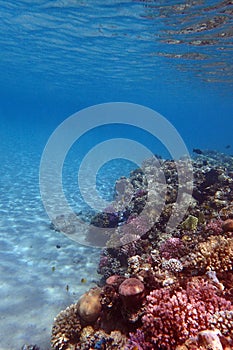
point(58, 57)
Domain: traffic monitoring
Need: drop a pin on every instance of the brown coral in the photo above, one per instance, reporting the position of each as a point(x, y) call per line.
point(89, 305)
point(66, 329)
point(227, 225)
point(216, 253)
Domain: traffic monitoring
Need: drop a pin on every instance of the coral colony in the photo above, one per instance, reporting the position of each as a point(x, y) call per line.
point(168, 291)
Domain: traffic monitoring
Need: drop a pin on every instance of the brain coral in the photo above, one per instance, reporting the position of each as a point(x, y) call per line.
point(171, 317)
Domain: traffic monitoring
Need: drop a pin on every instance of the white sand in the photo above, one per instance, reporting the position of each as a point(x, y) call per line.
point(32, 293)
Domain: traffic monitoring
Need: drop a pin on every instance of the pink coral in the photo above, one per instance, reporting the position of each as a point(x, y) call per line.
point(136, 341)
point(171, 248)
point(171, 317)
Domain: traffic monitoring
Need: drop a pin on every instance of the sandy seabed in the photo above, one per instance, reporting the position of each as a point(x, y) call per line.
point(40, 270)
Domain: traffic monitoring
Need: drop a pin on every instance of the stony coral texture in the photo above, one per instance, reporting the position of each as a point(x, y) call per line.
point(66, 329)
point(171, 317)
point(216, 253)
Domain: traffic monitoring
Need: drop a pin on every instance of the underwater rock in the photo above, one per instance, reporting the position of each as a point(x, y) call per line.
point(207, 339)
point(105, 220)
point(30, 347)
point(89, 306)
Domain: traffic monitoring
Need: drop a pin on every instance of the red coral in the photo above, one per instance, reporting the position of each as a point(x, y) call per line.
point(173, 317)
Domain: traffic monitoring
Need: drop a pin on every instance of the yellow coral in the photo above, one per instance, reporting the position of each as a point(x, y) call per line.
point(190, 223)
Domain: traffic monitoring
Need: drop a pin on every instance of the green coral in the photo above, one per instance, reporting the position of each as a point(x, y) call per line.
point(190, 223)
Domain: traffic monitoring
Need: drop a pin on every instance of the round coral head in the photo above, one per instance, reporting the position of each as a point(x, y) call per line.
point(89, 306)
point(131, 287)
point(227, 225)
point(115, 280)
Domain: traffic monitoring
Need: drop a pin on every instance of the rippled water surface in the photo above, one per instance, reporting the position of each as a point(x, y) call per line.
point(67, 43)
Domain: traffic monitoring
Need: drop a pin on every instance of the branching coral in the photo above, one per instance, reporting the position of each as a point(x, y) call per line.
point(172, 317)
point(216, 253)
point(173, 247)
point(223, 320)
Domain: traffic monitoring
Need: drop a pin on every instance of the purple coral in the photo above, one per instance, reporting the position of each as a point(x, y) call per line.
point(214, 227)
point(136, 341)
point(171, 248)
point(138, 225)
point(171, 317)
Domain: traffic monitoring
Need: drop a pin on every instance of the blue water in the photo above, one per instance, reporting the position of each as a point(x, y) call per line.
point(60, 56)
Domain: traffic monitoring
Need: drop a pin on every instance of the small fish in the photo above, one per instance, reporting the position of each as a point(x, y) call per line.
point(67, 288)
point(228, 146)
point(198, 151)
point(53, 268)
point(83, 280)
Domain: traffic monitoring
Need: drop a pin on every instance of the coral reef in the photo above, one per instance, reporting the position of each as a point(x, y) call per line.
point(223, 320)
point(207, 339)
point(159, 290)
point(216, 253)
point(173, 316)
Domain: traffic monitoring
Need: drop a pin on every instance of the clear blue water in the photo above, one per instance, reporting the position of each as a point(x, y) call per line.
point(60, 56)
